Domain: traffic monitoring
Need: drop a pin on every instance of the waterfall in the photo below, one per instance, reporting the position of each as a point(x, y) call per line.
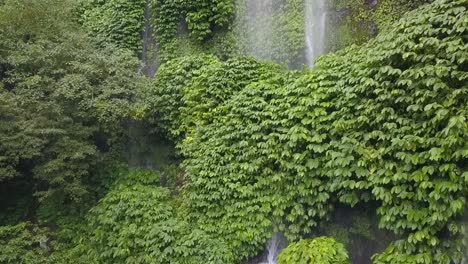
point(274, 247)
point(257, 27)
point(150, 62)
point(255, 19)
point(315, 28)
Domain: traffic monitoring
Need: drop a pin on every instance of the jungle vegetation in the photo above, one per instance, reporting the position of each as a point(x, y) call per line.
point(361, 159)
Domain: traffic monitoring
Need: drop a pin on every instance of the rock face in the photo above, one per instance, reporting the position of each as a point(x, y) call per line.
point(353, 23)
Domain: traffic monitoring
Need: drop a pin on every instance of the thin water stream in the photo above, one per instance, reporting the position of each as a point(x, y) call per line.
point(276, 244)
point(150, 63)
point(315, 28)
point(259, 27)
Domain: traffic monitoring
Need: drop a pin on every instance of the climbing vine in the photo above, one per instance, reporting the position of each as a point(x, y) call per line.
point(356, 21)
point(199, 19)
point(117, 21)
point(164, 99)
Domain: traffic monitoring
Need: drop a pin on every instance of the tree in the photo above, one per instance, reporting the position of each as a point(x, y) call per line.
point(60, 92)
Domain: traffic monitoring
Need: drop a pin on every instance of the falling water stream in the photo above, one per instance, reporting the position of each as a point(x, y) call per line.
point(315, 28)
point(276, 244)
point(150, 63)
point(258, 27)
point(260, 42)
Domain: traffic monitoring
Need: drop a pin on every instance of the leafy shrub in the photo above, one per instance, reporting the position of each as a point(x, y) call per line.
point(360, 20)
point(215, 85)
point(203, 15)
point(164, 98)
point(202, 18)
point(323, 250)
point(116, 21)
point(20, 244)
point(239, 194)
point(139, 223)
point(187, 90)
point(189, 99)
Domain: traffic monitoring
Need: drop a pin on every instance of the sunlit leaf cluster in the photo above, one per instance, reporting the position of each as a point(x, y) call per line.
point(319, 250)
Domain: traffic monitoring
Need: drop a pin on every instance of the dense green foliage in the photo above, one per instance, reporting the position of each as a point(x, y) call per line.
point(187, 91)
point(385, 122)
point(164, 100)
point(263, 150)
point(360, 20)
point(220, 27)
point(319, 250)
point(116, 21)
point(63, 105)
point(59, 92)
point(200, 18)
point(17, 244)
point(137, 222)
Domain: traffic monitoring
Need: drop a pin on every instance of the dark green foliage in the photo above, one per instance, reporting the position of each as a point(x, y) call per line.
point(395, 129)
point(19, 244)
point(189, 90)
point(137, 222)
point(402, 122)
point(202, 102)
point(116, 21)
point(26, 243)
point(357, 21)
point(12, 146)
point(201, 17)
point(322, 250)
point(230, 181)
point(194, 93)
point(57, 94)
point(215, 85)
point(164, 98)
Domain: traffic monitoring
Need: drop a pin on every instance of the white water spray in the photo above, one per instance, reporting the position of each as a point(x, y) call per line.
point(258, 27)
point(258, 31)
point(315, 28)
point(276, 244)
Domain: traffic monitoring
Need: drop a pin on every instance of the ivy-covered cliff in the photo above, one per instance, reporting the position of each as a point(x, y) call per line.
point(236, 149)
point(222, 27)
